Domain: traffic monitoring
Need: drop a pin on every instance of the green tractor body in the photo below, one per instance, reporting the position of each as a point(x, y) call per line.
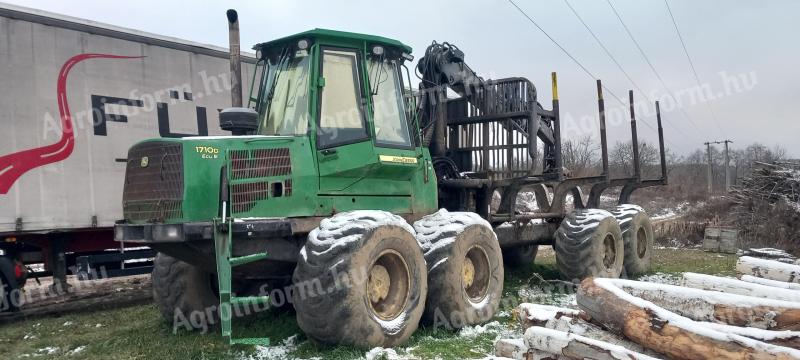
point(306, 163)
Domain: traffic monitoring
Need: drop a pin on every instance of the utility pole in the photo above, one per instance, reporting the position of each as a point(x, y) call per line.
point(710, 176)
point(710, 164)
point(727, 167)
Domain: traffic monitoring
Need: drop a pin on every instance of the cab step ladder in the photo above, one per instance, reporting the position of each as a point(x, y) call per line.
point(223, 243)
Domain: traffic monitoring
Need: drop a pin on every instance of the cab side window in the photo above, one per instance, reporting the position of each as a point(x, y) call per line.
point(341, 119)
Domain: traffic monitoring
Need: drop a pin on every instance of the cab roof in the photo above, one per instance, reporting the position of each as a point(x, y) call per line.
point(326, 33)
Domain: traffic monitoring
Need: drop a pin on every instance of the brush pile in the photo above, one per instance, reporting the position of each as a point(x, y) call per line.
point(769, 182)
point(766, 207)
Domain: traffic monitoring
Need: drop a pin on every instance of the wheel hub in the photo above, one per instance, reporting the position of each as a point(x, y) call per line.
point(476, 274)
point(468, 273)
point(641, 243)
point(388, 285)
point(610, 254)
point(379, 282)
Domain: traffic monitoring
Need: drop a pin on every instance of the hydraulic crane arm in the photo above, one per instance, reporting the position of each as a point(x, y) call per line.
point(443, 67)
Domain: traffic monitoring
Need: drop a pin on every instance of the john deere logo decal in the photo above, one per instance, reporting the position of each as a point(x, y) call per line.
point(145, 161)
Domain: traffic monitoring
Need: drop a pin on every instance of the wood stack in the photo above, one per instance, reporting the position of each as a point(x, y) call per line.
point(709, 317)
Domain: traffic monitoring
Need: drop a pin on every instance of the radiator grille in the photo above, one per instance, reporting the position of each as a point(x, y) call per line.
point(247, 164)
point(246, 195)
point(153, 182)
point(250, 167)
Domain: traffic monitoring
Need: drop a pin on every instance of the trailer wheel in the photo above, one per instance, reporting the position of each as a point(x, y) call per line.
point(589, 243)
point(9, 288)
point(638, 237)
point(465, 268)
point(519, 256)
point(360, 280)
point(185, 294)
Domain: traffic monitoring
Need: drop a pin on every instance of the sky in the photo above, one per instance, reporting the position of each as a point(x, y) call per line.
point(745, 53)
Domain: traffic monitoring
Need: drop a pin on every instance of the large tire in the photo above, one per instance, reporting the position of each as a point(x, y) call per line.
point(638, 237)
point(185, 294)
point(465, 268)
point(519, 256)
point(589, 244)
point(360, 280)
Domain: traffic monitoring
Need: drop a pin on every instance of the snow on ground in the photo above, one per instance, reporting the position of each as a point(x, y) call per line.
point(48, 350)
point(282, 351)
point(662, 278)
point(77, 350)
point(668, 213)
point(382, 354)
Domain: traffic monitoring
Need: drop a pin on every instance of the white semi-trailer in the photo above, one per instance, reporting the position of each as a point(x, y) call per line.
point(75, 96)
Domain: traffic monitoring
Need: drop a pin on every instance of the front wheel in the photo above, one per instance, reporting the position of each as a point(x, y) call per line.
point(360, 280)
point(185, 294)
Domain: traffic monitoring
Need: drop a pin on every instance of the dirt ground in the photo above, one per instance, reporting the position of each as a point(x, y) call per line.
point(90, 295)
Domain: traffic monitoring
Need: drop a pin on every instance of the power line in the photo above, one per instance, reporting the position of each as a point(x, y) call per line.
point(553, 40)
point(605, 49)
point(691, 64)
point(649, 63)
point(568, 54)
point(579, 63)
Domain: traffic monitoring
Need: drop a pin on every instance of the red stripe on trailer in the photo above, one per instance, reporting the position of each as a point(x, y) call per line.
point(13, 166)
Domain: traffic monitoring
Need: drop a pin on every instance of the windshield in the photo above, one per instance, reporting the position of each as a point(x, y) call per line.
point(391, 127)
point(283, 106)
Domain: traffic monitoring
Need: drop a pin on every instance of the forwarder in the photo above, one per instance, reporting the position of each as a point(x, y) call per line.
point(333, 181)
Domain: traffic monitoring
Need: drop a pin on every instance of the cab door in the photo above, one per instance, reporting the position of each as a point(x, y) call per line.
point(398, 158)
point(345, 151)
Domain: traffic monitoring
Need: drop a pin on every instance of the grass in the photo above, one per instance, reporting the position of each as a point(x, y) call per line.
point(139, 333)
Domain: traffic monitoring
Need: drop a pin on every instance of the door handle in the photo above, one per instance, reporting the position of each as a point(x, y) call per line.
point(328, 152)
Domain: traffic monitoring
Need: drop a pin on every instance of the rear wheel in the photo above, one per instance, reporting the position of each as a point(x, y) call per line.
point(589, 243)
point(638, 237)
point(185, 294)
point(519, 256)
point(360, 280)
point(465, 268)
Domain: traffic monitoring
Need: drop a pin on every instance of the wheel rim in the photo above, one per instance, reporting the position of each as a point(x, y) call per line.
point(475, 274)
point(388, 285)
point(610, 253)
point(641, 243)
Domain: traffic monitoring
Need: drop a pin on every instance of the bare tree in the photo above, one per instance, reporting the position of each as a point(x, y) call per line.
point(621, 159)
point(580, 155)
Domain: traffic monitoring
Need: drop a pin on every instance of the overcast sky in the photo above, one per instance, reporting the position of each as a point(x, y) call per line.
point(753, 42)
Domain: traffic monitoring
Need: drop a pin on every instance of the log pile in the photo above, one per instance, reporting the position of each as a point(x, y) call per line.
point(708, 317)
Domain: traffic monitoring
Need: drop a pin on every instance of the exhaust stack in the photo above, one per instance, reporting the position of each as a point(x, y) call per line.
point(236, 58)
point(236, 119)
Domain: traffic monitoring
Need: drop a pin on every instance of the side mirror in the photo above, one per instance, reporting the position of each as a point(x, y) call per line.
point(238, 120)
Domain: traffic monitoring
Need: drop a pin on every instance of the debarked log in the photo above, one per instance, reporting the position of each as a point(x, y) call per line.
point(668, 333)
